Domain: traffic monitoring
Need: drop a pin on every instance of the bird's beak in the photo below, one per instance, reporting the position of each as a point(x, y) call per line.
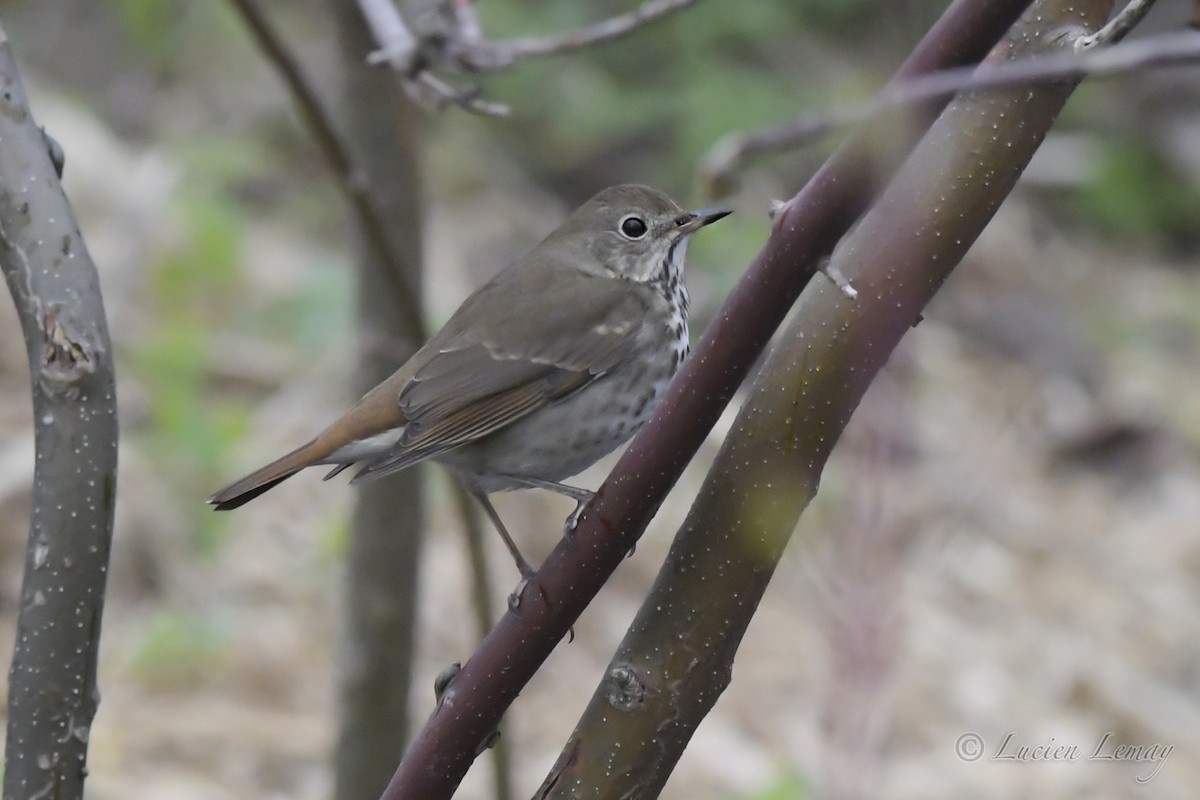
point(695, 220)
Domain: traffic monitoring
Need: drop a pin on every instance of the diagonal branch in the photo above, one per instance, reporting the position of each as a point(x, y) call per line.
point(805, 231)
point(652, 697)
point(485, 56)
point(52, 693)
point(353, 180)
point(1164, 50)
point(461, 45)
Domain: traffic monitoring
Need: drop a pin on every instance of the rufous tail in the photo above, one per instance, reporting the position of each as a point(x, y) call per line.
point(268, 477)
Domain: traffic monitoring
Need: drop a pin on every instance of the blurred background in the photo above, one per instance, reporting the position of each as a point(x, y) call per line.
point(1007, 540)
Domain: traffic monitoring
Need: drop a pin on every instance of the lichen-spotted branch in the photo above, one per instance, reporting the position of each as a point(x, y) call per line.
point(52, 693)
point(455, 41)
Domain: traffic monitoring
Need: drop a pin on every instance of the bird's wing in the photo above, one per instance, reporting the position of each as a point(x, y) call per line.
point(474, 384)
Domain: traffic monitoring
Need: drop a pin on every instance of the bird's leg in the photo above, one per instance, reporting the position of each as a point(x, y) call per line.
point(527, 572)
point(581, 497)
point(522, 565)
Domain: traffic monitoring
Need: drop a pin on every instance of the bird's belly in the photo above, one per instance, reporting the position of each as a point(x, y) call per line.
point(563, 439)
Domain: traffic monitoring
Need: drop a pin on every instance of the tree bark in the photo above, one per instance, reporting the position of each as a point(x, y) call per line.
point(652, 696)
point(381, 129)
point(52, 694)
point(474, 702)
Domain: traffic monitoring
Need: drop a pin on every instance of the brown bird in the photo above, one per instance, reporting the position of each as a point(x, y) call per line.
point(548, 367)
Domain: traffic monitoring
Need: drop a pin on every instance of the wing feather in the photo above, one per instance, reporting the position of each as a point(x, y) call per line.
point(474, 386)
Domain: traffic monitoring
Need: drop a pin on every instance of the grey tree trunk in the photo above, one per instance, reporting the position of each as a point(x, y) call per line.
point(381, 129)
point(52, 694)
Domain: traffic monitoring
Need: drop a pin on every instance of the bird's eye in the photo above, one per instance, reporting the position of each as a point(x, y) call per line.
point(633, 227)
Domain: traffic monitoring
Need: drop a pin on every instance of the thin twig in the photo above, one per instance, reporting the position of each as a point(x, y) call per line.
point(430, 90)
point(484, 56)
point(467, 20)
point(401, 50)
point(1118, 27)
point(463, 46)
point(1165, 50)
point(352, 179)
point(398, 47)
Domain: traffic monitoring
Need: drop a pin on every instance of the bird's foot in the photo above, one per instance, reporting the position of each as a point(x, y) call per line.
point(514, 599)
point(527, 577)
point(524, 567)
point(573, 518)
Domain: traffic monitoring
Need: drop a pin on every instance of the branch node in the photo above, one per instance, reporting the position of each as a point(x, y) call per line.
point(838, 279)
point(444, 678)
point(68, 357)
point(624, 688)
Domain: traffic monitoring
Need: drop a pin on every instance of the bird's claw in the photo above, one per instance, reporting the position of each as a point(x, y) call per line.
point(573, 518)
point(514, 599)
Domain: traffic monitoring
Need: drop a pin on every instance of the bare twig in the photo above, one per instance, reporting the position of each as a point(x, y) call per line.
point(467, 20)
point(353, 179)
point(398, 47)
point(463, 46)
point(1118, 27)
point(403, 52)
point(430, 90)
point(52, 692)
point(483, 56)
point(1165, 50)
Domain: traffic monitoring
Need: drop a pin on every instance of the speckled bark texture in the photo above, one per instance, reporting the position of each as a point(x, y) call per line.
point(52, 694)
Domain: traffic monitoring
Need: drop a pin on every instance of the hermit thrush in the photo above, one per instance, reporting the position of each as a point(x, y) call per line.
point(545, 369)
